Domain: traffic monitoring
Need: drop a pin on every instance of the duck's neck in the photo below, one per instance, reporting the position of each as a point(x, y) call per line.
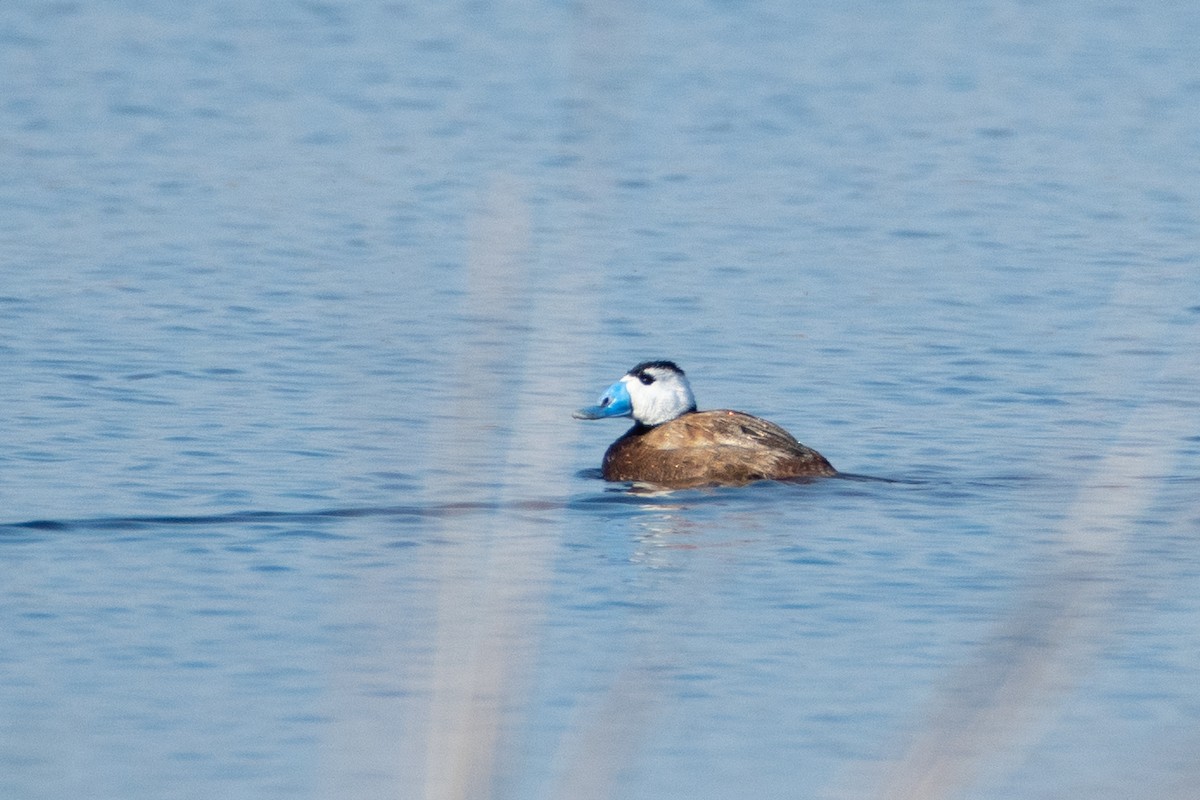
point(640, 427)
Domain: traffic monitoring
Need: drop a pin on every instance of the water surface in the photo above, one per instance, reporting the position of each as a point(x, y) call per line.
point(297, 300)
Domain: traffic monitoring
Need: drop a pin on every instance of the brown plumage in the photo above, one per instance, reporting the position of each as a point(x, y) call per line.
point(704, 448)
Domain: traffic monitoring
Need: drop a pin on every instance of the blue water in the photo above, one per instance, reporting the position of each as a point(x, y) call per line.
point(296, 300)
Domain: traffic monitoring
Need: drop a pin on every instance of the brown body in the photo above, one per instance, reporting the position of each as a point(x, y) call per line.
point(705, 448)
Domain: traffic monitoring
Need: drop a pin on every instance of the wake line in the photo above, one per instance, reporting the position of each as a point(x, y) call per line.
point(613, 495)
point(242, 517)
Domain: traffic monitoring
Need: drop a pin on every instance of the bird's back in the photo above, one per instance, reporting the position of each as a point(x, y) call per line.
point(711, 447)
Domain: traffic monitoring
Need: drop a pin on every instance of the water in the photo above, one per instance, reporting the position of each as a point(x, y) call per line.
point(297, 300)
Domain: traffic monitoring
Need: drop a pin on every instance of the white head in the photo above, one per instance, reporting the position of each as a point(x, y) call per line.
point(652, 393)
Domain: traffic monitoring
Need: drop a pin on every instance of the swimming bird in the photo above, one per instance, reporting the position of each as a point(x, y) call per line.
point(671, 444)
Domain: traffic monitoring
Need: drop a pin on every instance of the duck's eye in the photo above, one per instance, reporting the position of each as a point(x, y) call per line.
point(646, 378)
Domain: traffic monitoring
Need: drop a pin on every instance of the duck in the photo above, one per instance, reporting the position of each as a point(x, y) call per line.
point(674, 445)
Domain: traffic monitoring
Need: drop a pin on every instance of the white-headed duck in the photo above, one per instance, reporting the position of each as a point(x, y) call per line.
point(671, 444)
